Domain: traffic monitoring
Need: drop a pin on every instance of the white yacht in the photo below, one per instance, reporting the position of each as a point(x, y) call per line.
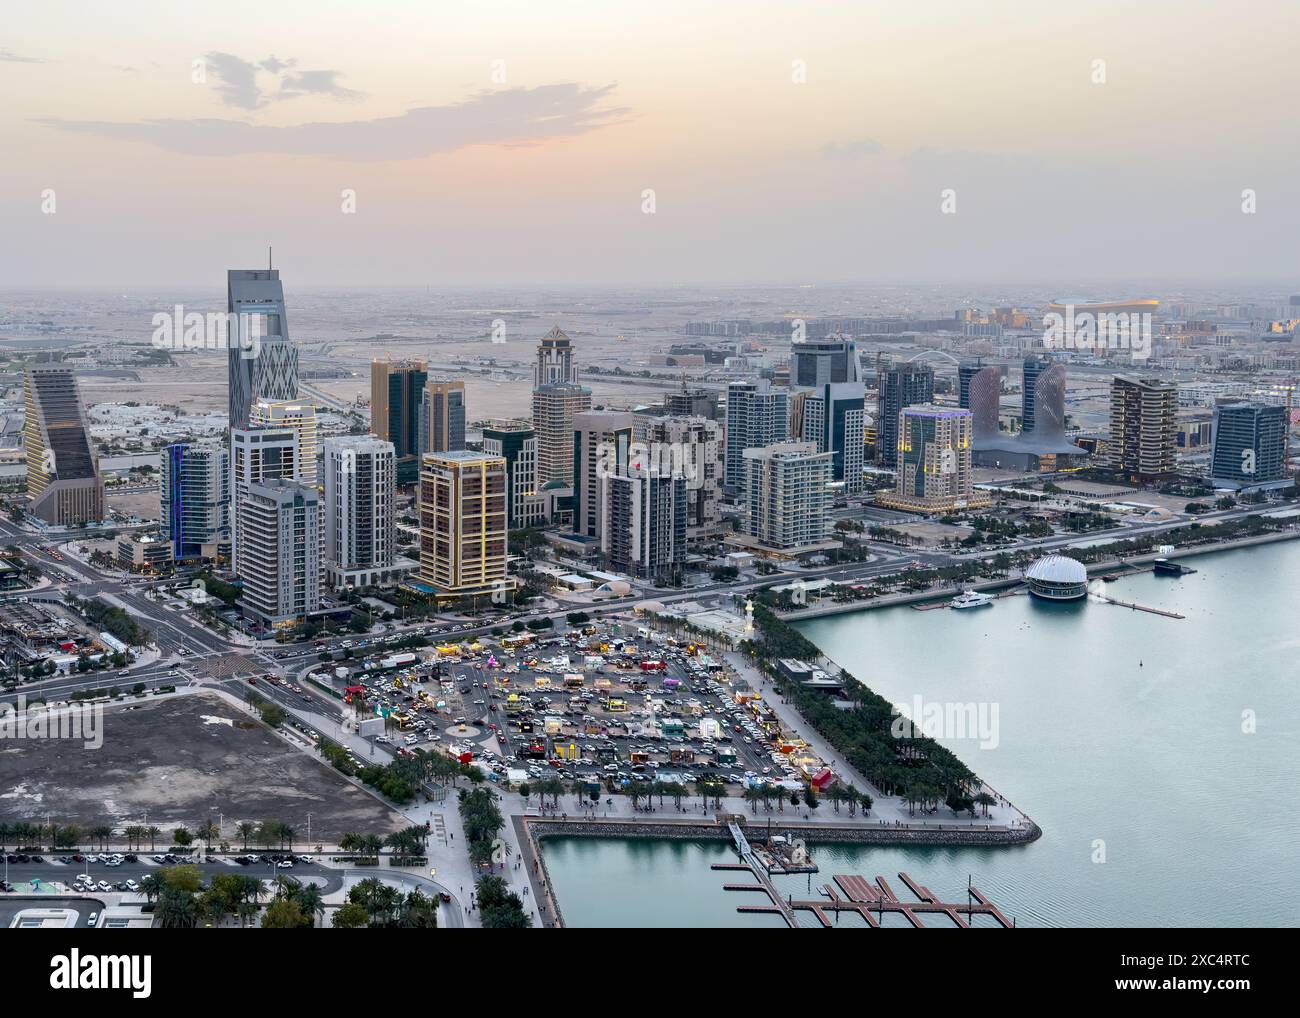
point(970, 599)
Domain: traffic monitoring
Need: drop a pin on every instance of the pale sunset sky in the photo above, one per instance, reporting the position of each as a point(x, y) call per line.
point(461, 178)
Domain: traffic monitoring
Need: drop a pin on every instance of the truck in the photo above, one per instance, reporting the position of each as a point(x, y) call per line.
point(398, 660)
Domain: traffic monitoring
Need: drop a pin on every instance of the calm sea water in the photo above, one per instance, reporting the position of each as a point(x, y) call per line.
point(1120, 733)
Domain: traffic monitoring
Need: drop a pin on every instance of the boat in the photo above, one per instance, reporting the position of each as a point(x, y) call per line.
point(970, 599)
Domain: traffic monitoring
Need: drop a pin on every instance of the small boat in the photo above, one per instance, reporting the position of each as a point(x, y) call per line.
point(970, 599)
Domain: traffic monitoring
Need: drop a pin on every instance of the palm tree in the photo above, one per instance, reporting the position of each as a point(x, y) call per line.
point(153, 833)
point(310, 900)
point(6, 832)
point(246, 829)
point(152, 886)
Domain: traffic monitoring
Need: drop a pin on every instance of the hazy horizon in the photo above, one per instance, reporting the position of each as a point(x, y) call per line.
point(512, 147)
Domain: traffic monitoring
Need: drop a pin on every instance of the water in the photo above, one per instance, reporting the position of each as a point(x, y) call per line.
point(1145, 765)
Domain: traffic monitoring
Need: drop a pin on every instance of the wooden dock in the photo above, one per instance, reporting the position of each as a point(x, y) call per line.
point(1143, 608)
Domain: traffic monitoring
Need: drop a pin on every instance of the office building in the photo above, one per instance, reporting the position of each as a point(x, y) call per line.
point(442, 416)
point(1250, 446)
point(815, 363)
point(515, 441)
point(602, 440)
point(966, 370)
point(900, 385)
point(396, 392)
point(832, 418)
point(644, 531)
point(934, 461)
point(1031, 369)
point(298, 416)
point(1143, 422)
point(278, 546)
point(982, 396)
point(692, 403)
point(786, 499)
point(359, 518)
point(262, 361)
point(462, 507)
point(194, 500)
point(144, 553)
point(63, 481)
point(758, 415)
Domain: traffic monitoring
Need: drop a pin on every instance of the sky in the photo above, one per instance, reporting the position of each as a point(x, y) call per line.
point(541, 142)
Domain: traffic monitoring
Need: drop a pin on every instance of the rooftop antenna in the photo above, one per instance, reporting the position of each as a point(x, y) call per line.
point(268, 258)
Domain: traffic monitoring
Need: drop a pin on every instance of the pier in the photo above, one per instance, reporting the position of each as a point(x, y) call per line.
point(751, 862)
point(1142, 608)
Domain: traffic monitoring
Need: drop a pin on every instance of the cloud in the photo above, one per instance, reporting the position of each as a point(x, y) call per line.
point(516, 116)
point(852, 149)
point(237, 81)
point(8, 56)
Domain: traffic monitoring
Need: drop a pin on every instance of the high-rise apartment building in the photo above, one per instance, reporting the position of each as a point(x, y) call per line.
point(63, 480)
point(602, 441)
point(515, 441)
point(262, 362)
point(360, 522)
point(442, 416)
point(1250, 441)
point(194, 499)
point(278, 542)
point(1143, 423)
point(786, 497)
point(832, 417)
point(901, 385)
point(758, 415)
point(462, 506)
point(689, 447)
point(692, 403)
point(396, 391)
point(554, 408)
point(257, 455)
point(644, 531)
point(298, 416)
point(934, 460)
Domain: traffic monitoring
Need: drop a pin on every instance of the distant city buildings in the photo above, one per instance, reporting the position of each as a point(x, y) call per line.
point(194, 499)
point(758, 415)
point(262, 362)
point(1250, 444)
point(396, 393)
point(278, 546)
point(63, 480)
point(462, 508)
point(1143, 420)
point(360, 547)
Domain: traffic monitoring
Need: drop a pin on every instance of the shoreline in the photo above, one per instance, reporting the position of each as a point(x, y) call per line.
point(1094, 568)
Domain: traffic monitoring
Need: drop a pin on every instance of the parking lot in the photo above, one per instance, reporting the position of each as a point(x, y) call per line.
point(610, 703)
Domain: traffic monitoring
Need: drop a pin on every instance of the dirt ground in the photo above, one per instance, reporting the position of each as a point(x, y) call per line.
point(181, 761)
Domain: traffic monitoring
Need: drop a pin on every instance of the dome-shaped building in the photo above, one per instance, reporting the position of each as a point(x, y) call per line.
point(1058, 578)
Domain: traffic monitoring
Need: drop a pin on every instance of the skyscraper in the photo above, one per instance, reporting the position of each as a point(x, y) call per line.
point(983, 399)
point(360, 522)
point(815, 363)
point(901, 385)
point(758, 415)
point(1250, 441)
point(63, 481)
point(194, 498)
point(442, 416)
point(602, 441)
point(557, 397)
point(279, 551)
point(832, 417)
point(555, 365)
point(516, 442)
point(462, 506)
point(934, 460)
point(268, 367)
point(396, 390)
point(1032, 368)
point(1143, 420)
point(966, 370)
